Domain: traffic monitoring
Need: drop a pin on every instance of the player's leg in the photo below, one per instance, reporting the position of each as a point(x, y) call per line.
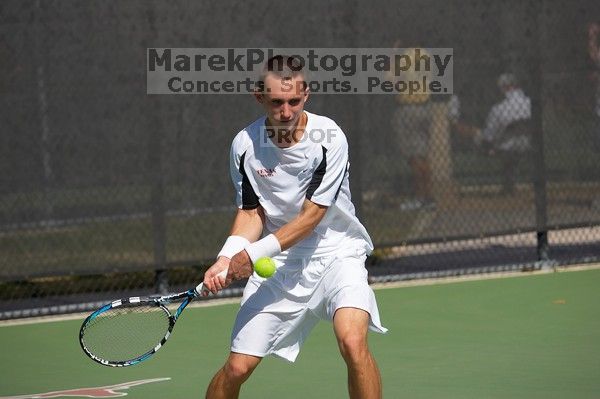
point(228, 380)
point(260, 328)
point(246, 349)
point(352, 307)
point(351, 327)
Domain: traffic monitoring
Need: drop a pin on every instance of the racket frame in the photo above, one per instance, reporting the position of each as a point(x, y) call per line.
point(158, 301)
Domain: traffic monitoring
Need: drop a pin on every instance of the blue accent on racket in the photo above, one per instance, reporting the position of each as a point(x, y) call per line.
point(128, 331)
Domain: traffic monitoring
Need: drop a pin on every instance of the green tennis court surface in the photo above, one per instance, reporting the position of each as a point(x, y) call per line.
point(527, 337)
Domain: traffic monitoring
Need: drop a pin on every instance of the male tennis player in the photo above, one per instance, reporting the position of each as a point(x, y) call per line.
point(290, 171)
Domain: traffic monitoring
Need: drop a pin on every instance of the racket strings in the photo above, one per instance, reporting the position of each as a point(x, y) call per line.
point(125, 333)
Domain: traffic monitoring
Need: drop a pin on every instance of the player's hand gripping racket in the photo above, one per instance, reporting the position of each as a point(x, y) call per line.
point(128, 331)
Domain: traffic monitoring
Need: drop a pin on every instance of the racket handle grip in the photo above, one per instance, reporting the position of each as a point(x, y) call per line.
point(200, 287)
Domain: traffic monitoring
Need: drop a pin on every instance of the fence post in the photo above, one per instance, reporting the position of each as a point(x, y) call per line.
point(539, 168)
point(358, 124)
point(156, 178)
point(158, 217)
point(45, 139)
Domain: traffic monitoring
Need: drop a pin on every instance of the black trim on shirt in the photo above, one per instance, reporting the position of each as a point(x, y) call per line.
point(342, 182)
point(249, 197)
point(317, 177)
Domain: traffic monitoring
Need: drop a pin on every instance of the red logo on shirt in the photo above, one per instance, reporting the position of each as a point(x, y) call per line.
point(265, 172)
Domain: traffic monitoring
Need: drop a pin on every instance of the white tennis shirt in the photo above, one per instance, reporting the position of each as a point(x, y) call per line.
point(280, 179)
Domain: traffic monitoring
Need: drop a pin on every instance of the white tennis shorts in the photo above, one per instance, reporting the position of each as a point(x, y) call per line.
point(277, 314)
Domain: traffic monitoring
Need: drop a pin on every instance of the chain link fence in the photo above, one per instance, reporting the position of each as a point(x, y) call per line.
point(107, 190)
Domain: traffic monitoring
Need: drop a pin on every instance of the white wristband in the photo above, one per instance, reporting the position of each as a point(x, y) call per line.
point(267, 246)
point(232, 246)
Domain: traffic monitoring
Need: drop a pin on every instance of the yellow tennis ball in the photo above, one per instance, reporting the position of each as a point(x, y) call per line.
point(264, 267)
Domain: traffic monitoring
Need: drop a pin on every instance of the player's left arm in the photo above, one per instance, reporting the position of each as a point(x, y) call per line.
point(287, 236)
point(321, 193)
point(302, 225)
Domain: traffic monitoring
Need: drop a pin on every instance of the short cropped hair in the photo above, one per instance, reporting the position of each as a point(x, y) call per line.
point(284, 67)
point(507, 79)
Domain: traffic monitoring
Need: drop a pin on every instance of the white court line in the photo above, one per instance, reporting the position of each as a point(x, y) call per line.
point(377, 286)
point(83, 315)
point(483, 276)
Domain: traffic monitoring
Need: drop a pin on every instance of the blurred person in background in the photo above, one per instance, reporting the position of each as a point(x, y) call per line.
point(507, 131)
point(411, 122)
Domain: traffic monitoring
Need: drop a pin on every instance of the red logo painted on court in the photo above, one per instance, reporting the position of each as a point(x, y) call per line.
point(109, 391)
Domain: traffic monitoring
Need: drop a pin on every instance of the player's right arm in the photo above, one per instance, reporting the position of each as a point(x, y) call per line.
point(248, 225)
point(248, 222)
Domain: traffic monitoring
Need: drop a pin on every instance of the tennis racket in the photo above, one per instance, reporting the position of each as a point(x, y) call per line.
point(128, 331)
